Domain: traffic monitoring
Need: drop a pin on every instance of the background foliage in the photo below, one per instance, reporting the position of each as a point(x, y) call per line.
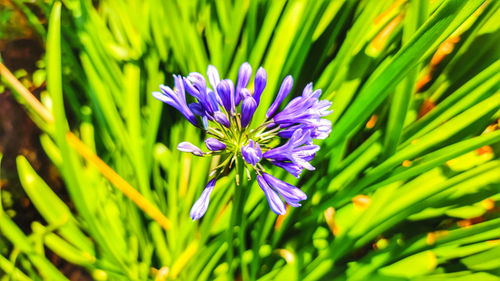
point(406, 187)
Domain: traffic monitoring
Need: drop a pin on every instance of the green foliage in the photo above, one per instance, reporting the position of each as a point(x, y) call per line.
point(396, 187)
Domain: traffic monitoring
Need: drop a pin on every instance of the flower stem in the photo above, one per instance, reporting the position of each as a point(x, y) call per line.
point(235, 220)
point(242, 230)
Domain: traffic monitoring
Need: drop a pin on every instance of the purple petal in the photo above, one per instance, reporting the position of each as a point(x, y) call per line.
point(213, 76)
point(251, 153)
point(308, 90)
point(306, 110)
point(198, 81)
point(316, 94)
point(191, 89)
point(301, 136)
point(290, 167)
point(285, 88)
point(221, 118)
point(189, 147)
point(212, 99)
point(245, 93)
point(259, 84)
point(275, 202)
point(214, 144)
point(200, 206)
point(303, 163)
point(288, 132)
point(248, 108)
point(164, 98)
point(214, 80)
point(298, 149)
point(225, 89)
point(290, 193)
point(196, 85)
point(196, 108)
point(322, 108)
point(204, 120)
point(323, 130)
point(176, 99)
point(244, 75)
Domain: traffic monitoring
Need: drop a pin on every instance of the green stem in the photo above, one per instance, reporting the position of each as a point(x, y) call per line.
point(243, 190)
point(236, 214)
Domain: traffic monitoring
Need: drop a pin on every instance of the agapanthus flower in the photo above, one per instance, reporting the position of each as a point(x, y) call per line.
point(225, 112)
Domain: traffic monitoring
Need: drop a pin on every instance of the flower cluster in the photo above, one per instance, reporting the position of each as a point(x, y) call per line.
point(226, 113)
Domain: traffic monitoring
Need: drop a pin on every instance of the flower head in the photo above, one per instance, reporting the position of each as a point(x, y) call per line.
point(226, 112)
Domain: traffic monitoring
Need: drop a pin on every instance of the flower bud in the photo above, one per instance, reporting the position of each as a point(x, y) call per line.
point(214, 144)
point(189, 147)
point(221, 118)
point(259, 84)
point(244, 75)
point(248, 108)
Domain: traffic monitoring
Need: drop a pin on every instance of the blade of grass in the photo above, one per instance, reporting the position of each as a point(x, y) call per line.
point(415, 16)
point(48, 204)
point(20, 241)
point(119, 182)
point(439, 26)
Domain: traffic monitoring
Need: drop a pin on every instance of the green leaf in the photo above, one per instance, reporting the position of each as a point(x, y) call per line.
point(412, 266)
point(53, 209)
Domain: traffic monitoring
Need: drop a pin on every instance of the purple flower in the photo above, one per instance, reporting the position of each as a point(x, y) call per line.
point(189, 147)
point(200, 206)
point(214, 144)
point(285, 88)
point(244, 75)
point(259, 84)
point(298, 149)
point(235, 138)
point(176, 98)
point(273, 198)
point(290, 193)
point(248, 108)
point(251, 152)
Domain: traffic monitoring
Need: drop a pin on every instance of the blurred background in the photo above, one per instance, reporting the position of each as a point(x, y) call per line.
point(407, 186)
